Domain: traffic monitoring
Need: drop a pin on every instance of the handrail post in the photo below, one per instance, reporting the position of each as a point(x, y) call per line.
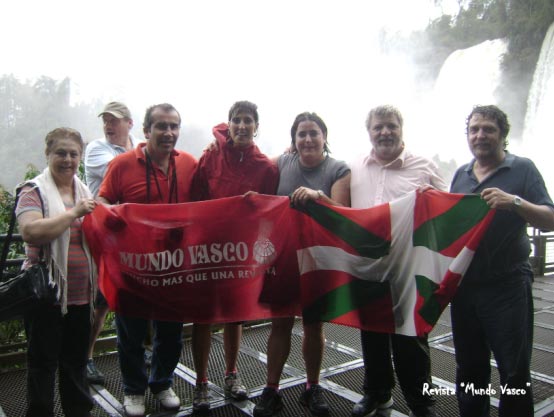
point(539, 252)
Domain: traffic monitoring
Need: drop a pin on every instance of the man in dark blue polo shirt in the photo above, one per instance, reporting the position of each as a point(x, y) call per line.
point(493, 308)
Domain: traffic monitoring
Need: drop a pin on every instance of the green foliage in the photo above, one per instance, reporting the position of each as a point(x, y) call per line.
point(12, 332)
point(81, 172)
point(6, 203)
point(475, 22)
point(527, 23)
point(32, 172)
point(28, 111)
point(523, 23)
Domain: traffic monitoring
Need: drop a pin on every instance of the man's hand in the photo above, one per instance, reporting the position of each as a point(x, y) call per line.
point(498, 199)
point(425, 187)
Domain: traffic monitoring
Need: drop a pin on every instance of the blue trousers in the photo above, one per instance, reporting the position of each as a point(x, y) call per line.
point(495, 318)
point(56, 342)
point(167, 347)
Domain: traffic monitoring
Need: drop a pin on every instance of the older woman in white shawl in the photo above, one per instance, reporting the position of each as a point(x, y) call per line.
point(49, 214)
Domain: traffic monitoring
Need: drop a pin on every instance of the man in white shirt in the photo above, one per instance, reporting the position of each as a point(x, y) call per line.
point(117, 122)
point(388, 173)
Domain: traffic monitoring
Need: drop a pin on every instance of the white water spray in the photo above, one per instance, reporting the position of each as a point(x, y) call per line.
point(468, 77)
point(538, 137)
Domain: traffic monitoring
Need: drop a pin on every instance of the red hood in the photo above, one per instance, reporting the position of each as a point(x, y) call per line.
point(221, 135)
point(228, 171)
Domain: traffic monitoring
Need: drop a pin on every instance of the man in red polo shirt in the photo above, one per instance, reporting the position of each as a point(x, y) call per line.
point(153, 173)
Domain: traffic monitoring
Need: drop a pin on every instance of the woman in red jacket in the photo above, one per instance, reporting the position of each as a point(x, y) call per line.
point(233, 167)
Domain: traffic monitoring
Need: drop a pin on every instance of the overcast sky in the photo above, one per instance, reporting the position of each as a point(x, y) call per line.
point(286, 56)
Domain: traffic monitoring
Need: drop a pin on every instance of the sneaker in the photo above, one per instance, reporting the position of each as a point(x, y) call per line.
point(234, 388)
point(168, 399)
point(370, 403)
point(201, 399)
point(133, 405)
point(94, 376)
point(271, 402)
point(313, 399)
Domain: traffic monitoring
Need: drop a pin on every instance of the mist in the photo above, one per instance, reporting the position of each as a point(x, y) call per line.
point(336, 59)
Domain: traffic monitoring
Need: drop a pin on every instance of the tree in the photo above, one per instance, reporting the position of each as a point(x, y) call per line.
point(523, 23)
point(28, 111)
point(527, 24)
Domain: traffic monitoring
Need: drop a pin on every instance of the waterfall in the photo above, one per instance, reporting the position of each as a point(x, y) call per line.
point(468, 77)
point(538, 138)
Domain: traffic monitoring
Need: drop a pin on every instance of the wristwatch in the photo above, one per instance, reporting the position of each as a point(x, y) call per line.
point(320, 194)
point(517, 201)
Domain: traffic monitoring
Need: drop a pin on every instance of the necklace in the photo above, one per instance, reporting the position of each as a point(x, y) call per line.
point(172, 171)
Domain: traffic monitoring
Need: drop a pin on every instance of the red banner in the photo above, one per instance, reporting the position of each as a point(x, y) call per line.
point(391, 268)
point(230, 259)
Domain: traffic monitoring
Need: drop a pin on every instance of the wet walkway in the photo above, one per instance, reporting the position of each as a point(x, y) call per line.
point(342, 372)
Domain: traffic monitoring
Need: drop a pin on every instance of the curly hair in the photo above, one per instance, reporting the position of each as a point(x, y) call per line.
point(383, 111)
point(494, 113)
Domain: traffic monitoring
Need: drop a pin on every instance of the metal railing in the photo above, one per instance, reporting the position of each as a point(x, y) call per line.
point(16, 261)
point(542, 260)
point(542, 257)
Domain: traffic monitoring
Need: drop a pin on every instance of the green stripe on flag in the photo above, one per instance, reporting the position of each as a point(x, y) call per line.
point(440, 232)
point(431, 310)
point(344, 299)
point(362, 240)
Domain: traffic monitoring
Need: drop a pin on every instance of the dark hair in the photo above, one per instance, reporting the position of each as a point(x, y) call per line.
point(494, 113)
point(245, 106)
point(308, 117)
point(165, 107)
point(384, 111)
point(63, 133)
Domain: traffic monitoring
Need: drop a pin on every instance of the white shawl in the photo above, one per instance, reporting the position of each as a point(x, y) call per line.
point(56, 252)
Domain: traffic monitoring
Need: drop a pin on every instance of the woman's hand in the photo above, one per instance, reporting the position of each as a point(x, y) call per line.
point(84, 206)
point(38, 230)
point(302, 195)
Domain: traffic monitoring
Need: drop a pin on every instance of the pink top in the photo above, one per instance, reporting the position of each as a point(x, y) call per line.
point(372, 184)
point(78, 283)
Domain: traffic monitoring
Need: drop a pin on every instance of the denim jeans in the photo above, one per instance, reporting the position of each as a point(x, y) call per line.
point(58, 342)
point(167, 347)
point(412, 363)
point(498, 318)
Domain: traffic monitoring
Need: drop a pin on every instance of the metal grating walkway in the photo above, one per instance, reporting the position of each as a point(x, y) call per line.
point(342, 372)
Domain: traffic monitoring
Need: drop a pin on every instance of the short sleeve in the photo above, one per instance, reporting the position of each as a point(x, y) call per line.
point(111, 179)
point(29, 200)
point(342, 170)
